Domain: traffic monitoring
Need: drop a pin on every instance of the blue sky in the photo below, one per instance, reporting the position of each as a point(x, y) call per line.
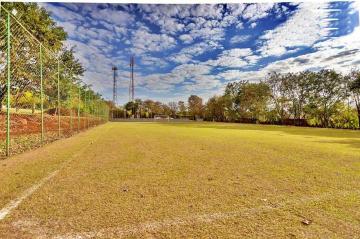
point(197, 49)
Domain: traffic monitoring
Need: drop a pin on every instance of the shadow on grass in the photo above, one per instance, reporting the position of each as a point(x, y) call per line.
point(354, 143)
point(304, 131)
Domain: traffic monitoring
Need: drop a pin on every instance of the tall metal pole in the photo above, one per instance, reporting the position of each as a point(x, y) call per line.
point(8, 87)
point(78, 111)
point(41, 95)
point(131, 88)
point(71, 118)
point(58, 98)
point(132, 78)
point(115, 86)
point(87, 118)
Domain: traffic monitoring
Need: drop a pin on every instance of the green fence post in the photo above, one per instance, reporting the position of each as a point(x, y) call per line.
point(88, 106)
point(78, 110)
point(85, 110)
point(8, 86)
point(41, 95)
point(90, 113)
point(58, 98)
point(71, 119)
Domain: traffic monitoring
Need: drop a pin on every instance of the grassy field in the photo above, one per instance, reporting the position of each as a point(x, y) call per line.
point(187, 180)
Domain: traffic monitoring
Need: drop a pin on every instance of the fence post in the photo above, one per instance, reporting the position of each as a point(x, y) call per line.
point(78, 110)
point(85, 120)
point(41, 95)
point(8, 86)
point(71, 119)
point(88, 101)
point(58, 98)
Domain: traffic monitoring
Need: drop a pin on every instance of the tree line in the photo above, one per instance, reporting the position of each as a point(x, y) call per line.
point(322, 99)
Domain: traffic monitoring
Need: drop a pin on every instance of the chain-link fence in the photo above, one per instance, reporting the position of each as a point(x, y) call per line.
point(40, 99)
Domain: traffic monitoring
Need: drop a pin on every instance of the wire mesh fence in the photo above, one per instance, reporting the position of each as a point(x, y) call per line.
point(40, 99)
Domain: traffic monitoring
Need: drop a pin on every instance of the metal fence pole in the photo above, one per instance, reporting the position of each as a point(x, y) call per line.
point(41, 95)
point(78, 110)
point(85, 111)
point(71, 119)
point(58, 98)
point(8, 86)
point(87, 118)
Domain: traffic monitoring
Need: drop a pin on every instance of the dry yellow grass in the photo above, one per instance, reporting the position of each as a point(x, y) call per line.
point(188, 180)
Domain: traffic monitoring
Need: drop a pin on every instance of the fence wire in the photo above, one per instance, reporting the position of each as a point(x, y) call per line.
point(40, 100)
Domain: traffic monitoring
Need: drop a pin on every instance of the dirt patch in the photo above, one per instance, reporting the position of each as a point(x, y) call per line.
point(25, 130)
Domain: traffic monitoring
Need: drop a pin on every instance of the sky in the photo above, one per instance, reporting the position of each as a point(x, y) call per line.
point(181, 50)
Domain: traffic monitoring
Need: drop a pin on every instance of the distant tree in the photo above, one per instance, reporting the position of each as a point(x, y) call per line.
point(215, 108)
point(297, 88)
point(158, 108)
point(326, 91)
point(280, 101)
point(182, 108)
point(254, 98)
point(132, 107)
point(354, 87)
point(149, 107)
point(233, 95)
point(28, 101)
point(166, 110)
point(247, 100)
point(344, 117)
point(173, 108)
point(195, 106)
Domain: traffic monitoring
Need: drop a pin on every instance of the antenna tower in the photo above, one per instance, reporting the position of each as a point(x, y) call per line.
point(114, 68)
point(131, 86)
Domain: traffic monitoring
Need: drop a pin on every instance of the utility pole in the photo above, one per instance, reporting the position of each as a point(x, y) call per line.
point(131, 88)
point(114, 68)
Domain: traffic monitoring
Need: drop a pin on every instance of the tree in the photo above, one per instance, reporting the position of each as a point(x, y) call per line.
point(297, 87)
point(132, 107)
point(326, 91)
point(276, 83)
point(25, 54)
point(354, 87)
point(195, 106)
point(28, 101)
point(253, 100)
point(247, 100)
point(182, 108)
point(233, 95)
point(173, 108)
point(215, 108)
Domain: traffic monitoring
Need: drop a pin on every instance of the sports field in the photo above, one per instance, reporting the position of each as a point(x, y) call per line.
point(185, 180)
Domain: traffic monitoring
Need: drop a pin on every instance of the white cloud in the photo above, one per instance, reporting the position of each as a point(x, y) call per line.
point(257, 11)
point(186, 38)
point(154, 62)
point(303, 29)
point(188, 53)
point(112, 16)
point(234, 58)
point(341, 54)
point(239, 39)
point(189, 76)
point(144, 41)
